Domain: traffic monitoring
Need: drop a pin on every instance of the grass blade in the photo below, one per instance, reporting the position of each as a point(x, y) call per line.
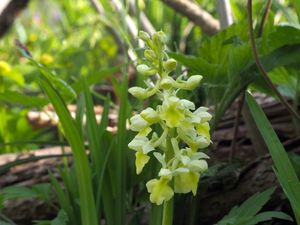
point(283, 166)
point(86, 196)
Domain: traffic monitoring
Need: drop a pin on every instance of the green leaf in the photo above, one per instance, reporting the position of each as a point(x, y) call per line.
point(15, 192)
point(4, 223)
point(254, 204)
point(226, 64)
point(60, 219)
point(87, 201)
point(2, 199)
point(283, 167)
point(283, 35)
point(295, 159)
point(265, 216)
point(246, 214)
point(63, 199)
point(65, 89)
point(249, 208)
point(16, 97)
point(43, 191)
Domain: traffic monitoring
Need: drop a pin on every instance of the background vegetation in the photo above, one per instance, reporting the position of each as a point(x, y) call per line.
point(84, 53)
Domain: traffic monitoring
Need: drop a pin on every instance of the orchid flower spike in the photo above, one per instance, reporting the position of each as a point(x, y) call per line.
point(181, 125)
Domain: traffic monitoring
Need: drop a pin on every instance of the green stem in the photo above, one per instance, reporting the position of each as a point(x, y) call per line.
point(168, 212)
point(168, 205)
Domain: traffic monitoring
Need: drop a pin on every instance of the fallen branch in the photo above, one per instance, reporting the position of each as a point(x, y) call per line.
point(196, 14)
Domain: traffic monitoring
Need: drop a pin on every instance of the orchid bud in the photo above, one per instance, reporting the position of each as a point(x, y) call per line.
point(193, 82)
point(159, 38)
point(149, 55)
point(138, 92)
point(145, 70)
point(144, 36)
point(170, 65)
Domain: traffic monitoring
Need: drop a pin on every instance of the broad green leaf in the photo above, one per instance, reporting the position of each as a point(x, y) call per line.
point(284, 35)
point(249, 208)
point(246, 214)
point(295, 159)
point(254, 204)
point(2, 199)
point(4, 223)
point(282, 165)
point(15, 192)
point(227, 66)
point(265, 216)
point(61, 218)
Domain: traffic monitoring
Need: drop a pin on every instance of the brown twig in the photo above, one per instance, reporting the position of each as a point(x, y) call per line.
point(196, 14)
point(264, 18)
point(260, 66)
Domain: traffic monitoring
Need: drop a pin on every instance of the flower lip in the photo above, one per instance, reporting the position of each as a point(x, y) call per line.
point(137, 123)
point(159, 190)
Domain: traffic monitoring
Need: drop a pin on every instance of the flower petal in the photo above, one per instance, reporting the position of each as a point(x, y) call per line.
point(172, 112)
point(186, 182)
point(141, 160)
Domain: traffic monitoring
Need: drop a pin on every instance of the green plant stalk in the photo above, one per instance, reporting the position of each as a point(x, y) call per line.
point(169, 205)
point(168, 212)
